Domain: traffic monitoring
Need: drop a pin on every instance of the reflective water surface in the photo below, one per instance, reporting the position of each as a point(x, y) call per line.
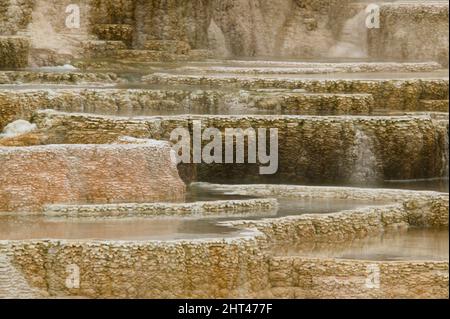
point(407, 244)
point(162, 228)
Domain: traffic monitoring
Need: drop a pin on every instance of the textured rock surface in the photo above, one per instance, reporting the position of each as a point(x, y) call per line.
point(293, 67)
point(14, 52)
point(414, 32)
point(13, 284)
point(20, 104)
point(325, 149)
point(428, 211)
point(299, 277)
point(396, 94)
point(260, 257)
point(20, 77)
point(216, 269)
point(197, 209)
point(31, 177)
point(323, 192)
point(435, 105)
point(324, 97)
point(14, 15)
point(280, 28)
point(243, 266)
point(115, 32)
point(246, 28)
point(149, 269)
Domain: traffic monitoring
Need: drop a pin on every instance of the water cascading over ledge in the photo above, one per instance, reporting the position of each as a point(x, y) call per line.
point(312, 149)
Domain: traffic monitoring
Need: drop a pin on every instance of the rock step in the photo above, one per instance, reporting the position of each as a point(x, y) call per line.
point(21, 77)
point(311, 148)
point(159, 55)
point(279, 67)
point(148, 56)
point(171, 46)
point(434, 105)
point(288, 102)
point(118, 51)
point(16, 104)
point(115, 32)
point(102, 48)
point(397, 94)
point(194, 209)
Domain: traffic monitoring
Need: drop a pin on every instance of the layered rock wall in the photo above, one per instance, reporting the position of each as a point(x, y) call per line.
point(281, 28)
point(240, 267)
point(411, 32)
point(14, 52)
point(311, 149)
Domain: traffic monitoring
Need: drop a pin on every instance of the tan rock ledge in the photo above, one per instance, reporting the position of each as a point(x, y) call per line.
point(243, 266)
point(348, 225)
point(399, 93)
point(411, 208)
point(15, 104)
point(279, 67)
point(221, 268)
point(342, 66)
point(31, 177)
point(25, 77)
point(311, 148)
point(426, 38)
point(223, 208)
point(319, 192)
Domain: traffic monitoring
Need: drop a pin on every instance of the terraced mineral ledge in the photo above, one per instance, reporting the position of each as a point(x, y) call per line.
point(203, 209)
point(311, 148)
point(267, 275)
point(89, 179)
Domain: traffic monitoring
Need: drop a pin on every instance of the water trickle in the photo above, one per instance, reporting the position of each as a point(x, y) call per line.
point(353, 40)
point(445, 155)
point(48, 35)
point(216, 40)
point(365, 166)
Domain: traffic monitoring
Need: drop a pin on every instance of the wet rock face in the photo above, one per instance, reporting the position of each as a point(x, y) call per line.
point(278, 28)
point(14, 52)
point(315, 150)
point(244, 27)
point(14, 15)
point(31, 177)
point(311, 149)
point(411, 32)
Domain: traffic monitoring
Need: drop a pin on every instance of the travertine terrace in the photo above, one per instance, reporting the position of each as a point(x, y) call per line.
point(89, 179)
